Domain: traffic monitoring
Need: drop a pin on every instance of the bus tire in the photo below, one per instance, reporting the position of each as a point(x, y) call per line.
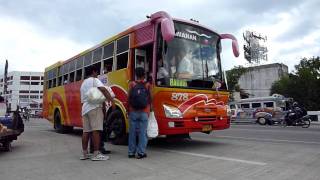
point(58, 126)
point(262, 121)
point(116, 128)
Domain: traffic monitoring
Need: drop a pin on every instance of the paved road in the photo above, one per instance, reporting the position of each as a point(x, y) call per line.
point(241, 152)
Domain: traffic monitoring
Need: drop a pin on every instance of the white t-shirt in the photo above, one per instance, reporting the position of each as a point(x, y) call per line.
point(85, 86)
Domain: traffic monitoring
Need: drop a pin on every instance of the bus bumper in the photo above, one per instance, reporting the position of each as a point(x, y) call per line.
point(184, 126)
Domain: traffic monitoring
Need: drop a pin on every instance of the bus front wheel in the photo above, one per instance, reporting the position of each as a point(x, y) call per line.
point(116, 128)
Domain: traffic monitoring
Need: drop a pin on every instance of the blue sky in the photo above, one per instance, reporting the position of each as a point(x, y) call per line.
point(36, 33)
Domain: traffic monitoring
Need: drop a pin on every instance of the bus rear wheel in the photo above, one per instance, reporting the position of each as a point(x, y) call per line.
point(116, 128)
point(58, 126)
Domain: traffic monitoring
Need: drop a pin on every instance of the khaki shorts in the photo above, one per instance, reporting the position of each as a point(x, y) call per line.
point(93, 120)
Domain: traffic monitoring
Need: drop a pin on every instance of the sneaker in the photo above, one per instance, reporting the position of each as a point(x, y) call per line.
point(140, 156)
point(104, 151)
point(84, 156)
point(100, 157)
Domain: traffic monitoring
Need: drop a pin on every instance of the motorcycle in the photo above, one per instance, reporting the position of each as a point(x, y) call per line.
point(292, 119)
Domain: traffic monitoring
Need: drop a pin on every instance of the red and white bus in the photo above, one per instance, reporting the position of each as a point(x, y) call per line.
point(190, 97)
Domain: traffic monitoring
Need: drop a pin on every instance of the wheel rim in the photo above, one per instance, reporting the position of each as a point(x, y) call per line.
point(262, 120)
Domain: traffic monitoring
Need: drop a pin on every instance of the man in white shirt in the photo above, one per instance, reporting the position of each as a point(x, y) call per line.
point(92, 115)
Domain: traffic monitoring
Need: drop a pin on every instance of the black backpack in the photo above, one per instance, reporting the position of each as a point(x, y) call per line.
point(139, 96)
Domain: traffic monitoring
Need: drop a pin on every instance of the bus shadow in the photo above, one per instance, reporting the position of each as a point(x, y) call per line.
point(182, 144)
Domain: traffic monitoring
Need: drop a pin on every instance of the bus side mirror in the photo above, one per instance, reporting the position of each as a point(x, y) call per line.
point(235, 46)
point(167, 26)
point(167, 29)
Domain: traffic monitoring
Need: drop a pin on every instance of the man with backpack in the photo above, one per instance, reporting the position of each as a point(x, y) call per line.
point(139, 109)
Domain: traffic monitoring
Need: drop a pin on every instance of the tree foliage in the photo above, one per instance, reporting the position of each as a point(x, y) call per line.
point(233, 76)
point(303, 85)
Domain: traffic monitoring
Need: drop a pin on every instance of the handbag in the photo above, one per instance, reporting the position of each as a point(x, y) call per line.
point(152, 129)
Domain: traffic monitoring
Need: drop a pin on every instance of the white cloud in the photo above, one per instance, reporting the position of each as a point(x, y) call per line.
point(27, 49)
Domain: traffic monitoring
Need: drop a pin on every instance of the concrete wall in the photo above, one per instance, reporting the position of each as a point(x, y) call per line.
point(258, 80)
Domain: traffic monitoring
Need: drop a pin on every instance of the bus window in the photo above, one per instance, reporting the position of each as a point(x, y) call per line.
point(87, 59)
point(245, 106)
point(65, 79)
point(122, 60)
point(268, 104)
point(79, 75)
point(256, 105)
point(98, 67)
point(60, 81)
point(107, 65)
point(54, 82)
point(79, 63)
point(71, 77)
point(97, 55)
point(108, 51)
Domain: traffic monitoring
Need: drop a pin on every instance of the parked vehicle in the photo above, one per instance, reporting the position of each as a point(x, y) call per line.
point(262, 110)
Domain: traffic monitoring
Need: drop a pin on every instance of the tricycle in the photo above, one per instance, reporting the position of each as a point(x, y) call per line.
point(10, 128)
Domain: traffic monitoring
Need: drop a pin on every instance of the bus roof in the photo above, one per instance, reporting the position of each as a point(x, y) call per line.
point(274, 97)
point(125, 32)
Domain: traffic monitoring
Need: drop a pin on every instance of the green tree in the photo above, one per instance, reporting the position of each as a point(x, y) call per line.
point(303, 85)
point(233, 76)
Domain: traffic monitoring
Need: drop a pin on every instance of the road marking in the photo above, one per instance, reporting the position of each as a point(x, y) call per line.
point(271, 140)
point(219, 157)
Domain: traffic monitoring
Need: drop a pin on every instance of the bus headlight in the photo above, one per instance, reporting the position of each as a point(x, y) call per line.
point(172, 112)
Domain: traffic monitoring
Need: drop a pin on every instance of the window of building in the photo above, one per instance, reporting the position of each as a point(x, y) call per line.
point(34, 92)
point(34, 97)
point(35, 83)
point(24, 83)
point(24, 77)
point(23, 96)
point(22, 92)
point(41, 77)
point(35, 78)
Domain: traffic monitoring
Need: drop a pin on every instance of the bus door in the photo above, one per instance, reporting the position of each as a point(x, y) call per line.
point(140, 60)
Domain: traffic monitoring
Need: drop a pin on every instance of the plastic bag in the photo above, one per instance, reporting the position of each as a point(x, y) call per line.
point(152, 129)
point(95, 96)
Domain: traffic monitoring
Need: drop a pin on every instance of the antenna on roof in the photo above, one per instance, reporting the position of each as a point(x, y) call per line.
point(194, 20)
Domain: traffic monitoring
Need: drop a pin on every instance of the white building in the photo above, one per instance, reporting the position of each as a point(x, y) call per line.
point(257, 80)
point(25, 89)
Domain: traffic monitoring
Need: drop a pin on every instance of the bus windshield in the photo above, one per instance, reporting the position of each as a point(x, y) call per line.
point(190, 59)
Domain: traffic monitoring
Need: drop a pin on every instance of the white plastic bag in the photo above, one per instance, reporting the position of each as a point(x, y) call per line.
point(95, 96)
point(152, 130)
